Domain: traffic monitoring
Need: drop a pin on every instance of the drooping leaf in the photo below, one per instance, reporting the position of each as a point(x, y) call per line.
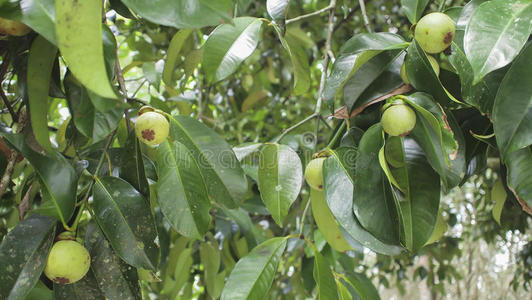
point(280, 179)
point(132, 165)
point(324, 277)
point(277, 10)
point(115, 279)
point(413, 9)
point(419, 198)
point(519, 164)
point(23, 254)
point(512, 110)
point(57, 177)
point(373, 203)
point(422, 76)
point(229, 45)
point(496, 33)
point(79, 38)
point(183, 13)
point(361, 286)
point(172, 54)
point(253, 275)
point(299, 60)
point(37, 14)
point(181, 191)
point(90, 121)
point(211, 259)
point(241, 217)
point(227, 184)
point(40, 63)
point(125, 217)
point(338, 189)
point(498, 194)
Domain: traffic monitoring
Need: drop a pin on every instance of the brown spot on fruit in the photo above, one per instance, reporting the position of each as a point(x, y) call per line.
point(448, 38)
point(62, 280)
point(148, 134)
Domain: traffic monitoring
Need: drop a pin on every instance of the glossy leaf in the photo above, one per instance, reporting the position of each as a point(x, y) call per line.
point(299, 59)
point(37, 14)
point(57, 177)
point(496, 33)
point(86, 288)
point(361, 286)
point(277, 10)
point(253, 275)
point(280, 179)
point(172, 54)
point(227, 184)
point(23, 254)
point(181, 191)
point(422, 76)
point(419, 199)
point(40, 63)
point(498, 194)
point(90, 121)
point(519, 179)
point(132, 165)
point(183, 13)
point(338, 189)
point(79, 38)
point(372, 200)
point(353, 55)
point(116, 279)
point(413, 9)
point(229, 45)
point(512, 110)
point(125, 217)
point(324, 277)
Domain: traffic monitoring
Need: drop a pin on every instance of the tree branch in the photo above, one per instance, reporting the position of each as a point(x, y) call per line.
point(313, 14)
point(365, 15)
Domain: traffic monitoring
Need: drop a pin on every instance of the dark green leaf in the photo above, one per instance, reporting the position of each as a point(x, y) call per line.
point(183, 13)
point(228, 46)
point(280, 179)
point(132, 165)
point(361, 285)
point(125, 217)
point(40, 62)
point(338, 187)
point(373, 203)
point(57, 176)
point(413, 9)
point(253, 275)
point(23, 255)
point(86, 288)
point(181, 191)
point(79, 38)
point(496, 33)
point(116, 279)
point(324, 277)
point(519, 178)
point(227, 184)
point(512, 110)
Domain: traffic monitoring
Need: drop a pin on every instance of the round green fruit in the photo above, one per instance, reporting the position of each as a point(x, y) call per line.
point(398, 120)
point(67, 263)
point(152, 128)
point(12, 27)
point(314, 174)
point(435, 32)
point(433, 63)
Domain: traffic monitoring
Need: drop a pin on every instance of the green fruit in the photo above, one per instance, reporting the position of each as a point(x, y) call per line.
point(152, 128)
point(435, 32)
point(398, 120)
point(326, 221)
point(433, 63)
point(12, 27)
point(67, 263)
point(313, 173)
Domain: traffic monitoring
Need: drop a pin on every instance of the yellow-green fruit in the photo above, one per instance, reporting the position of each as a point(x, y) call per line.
point(398, 120)
point(314, 173)
point(326, 221)
point(433, 63)
point(152, 128)
point(67, 263)
point(439, 230)
point(435, 32)
point(12, 27)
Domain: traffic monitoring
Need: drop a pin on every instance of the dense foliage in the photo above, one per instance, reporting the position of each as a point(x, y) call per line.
point(171, 139)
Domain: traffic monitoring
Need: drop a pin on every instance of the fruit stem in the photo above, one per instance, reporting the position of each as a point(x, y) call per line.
point(304, 215)
point(74, 226)
point(337, 135)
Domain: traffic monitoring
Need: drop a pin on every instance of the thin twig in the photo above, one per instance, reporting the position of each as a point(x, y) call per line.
point(4, 183)
point(292, 128)
point(8, 105)
point(365, 15)
point(121, 82)
point(313, 14)
point(25, 204)
point(349, 16)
